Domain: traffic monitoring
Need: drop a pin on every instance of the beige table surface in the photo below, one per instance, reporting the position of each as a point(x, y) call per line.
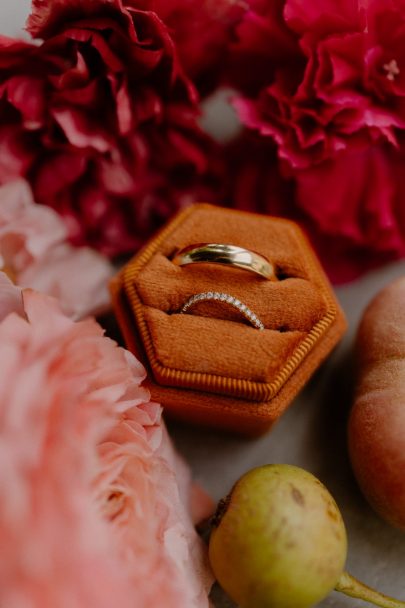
point(312, 435)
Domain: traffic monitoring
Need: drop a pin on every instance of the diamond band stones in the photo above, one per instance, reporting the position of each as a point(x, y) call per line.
point(226, 298)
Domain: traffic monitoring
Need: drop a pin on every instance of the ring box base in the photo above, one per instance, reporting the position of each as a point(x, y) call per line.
point(210, 367)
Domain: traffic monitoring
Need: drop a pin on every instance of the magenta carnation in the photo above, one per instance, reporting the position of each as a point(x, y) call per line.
point(353, 222)
point(101, 120)
point(332, 101)
point(203, 31)
point(341, 89)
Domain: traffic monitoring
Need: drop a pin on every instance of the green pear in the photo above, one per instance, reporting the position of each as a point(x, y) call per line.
point(279, 541)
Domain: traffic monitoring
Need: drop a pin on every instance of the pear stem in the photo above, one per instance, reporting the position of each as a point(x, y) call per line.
point(351, 586)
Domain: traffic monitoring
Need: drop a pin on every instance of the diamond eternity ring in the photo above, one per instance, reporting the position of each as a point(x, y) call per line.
point(228, 299)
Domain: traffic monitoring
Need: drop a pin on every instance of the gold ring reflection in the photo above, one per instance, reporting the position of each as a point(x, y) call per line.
point(227, 255)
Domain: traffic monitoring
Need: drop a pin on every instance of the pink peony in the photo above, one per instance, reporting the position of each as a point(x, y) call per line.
point(101, 120)
point(91, 507)
point(10, 297)
point(34, 251)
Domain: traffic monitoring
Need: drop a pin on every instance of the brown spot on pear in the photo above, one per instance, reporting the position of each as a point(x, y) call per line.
point(281, 540)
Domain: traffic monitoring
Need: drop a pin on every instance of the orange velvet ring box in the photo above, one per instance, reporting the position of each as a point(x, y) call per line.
point(210, 366)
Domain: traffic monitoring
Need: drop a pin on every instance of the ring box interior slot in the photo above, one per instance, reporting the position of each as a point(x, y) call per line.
point(210, 366)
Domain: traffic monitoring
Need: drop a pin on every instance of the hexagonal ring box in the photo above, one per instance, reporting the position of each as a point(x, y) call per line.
point(210, 366)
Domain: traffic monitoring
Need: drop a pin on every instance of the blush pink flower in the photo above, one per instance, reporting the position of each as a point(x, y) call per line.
point(101, 120)
point(91, 511)
point(35, 252)
point(11, 297)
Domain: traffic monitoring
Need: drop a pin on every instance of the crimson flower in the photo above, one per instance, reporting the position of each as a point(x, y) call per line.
point(351, 207)
point(202, 31)
point(330, 105)
point(101, 120)
point(342, 88)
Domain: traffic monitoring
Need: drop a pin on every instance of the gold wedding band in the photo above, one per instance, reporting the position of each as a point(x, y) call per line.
point(227, 255)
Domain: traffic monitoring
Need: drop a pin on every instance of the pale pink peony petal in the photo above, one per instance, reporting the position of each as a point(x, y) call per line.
point(10, 297)
point(33, 247)
point(78, 277)
point(27, 231)
point(91, 512)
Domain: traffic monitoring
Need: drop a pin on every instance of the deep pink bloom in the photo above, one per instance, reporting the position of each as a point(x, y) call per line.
point(351, 207)
point(343, 88)
point(93, 505)
point(35, 252)
point(101, 120)
point(261, 44)
point(201, 29)
point(330, 106)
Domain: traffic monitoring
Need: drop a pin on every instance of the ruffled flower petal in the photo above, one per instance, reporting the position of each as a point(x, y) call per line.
point(34, 251)
point(93, 502)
